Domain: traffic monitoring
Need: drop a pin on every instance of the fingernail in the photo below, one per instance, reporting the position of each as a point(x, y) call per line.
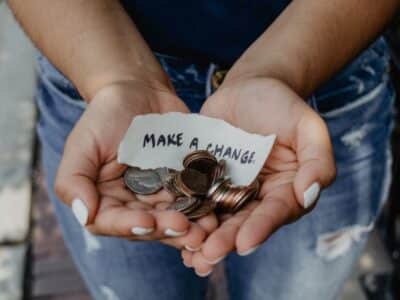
point(173, 233)
point(214, 262)
point(192, 249)
point(204, 274)
point(80, 211)
point(248, 252)
point(311, 194)
point(141, 230)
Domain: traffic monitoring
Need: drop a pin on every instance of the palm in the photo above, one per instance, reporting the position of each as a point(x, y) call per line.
point(90, 165)
point(268, 107)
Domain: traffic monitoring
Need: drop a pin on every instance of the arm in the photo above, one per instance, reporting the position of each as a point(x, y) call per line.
point(307, 44)
point(94, 43)
point(311, 41)
point(97, 46)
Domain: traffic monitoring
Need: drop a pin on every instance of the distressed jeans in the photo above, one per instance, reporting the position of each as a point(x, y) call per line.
point(309, 259)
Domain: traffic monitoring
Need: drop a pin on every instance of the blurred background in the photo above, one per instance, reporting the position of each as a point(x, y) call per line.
point(34, 263)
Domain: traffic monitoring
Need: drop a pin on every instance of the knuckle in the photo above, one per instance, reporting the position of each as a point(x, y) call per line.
point(179, 219)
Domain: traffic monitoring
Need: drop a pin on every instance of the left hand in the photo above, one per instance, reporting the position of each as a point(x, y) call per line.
point(300, 164)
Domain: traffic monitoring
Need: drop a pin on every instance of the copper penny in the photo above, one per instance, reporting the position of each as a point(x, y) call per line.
point(192, 182)
point(204, 209)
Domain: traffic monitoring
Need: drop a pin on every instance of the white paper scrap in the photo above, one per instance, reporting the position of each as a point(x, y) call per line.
point(163, 140)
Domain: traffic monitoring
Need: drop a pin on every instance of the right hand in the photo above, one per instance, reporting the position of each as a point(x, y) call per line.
point(90, 179)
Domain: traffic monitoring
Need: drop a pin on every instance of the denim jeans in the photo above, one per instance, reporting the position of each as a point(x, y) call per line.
point(309, 259)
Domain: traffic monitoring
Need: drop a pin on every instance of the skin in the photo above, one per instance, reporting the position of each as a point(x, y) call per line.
point(96, 45)
point(296, 54)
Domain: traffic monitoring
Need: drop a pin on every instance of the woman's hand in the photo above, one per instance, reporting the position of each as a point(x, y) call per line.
point(300, 164)
point(90, 179)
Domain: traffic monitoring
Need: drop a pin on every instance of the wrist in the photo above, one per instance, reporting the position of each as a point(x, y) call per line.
point(101, 81)
point(131, 97)
point(292, 75)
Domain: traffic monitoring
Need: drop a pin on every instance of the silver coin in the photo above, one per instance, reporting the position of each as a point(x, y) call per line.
point(144, 182)
point(170, 186)
point(165, 173)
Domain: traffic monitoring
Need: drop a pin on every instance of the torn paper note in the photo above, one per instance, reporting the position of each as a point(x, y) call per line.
point(156, 140)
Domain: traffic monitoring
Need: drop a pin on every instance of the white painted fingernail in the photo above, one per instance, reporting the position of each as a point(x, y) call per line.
point(192, 249)
point(173, 233)
point(80, 211)
point(141, 230)
point(214, 262)
point(248, 252)
point(311, 194)
point(204, 274)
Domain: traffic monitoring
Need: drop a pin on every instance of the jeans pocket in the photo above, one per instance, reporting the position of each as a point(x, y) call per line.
point(58, 86)
point(357, 84)
point(59, 103)
point(347, 99)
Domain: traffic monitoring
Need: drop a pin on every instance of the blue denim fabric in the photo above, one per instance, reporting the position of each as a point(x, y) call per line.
point(309, 259)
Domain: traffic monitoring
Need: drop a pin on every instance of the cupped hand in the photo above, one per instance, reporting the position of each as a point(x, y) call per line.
point(89, 178)
point(300, 164)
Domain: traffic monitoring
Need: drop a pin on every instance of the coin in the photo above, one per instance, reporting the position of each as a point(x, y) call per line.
point(216, 185)
point(165, 172)
point(204, 209)
point(201, 160)
point(247, 193)
point(184, 204)
point(169, 184)
point(219, 171)
point(144, 182)
point(192, 182)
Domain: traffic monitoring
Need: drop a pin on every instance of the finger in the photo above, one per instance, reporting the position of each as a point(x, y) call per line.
point(114, 219)
point(167, 224)
point(171, 223)
point(137, 205)
point(187, 258)
point(76, 175)
point(222, 240)
point(116, 189)
point(274, 211)
point(191, 241)
point(209, 223)
point(112, 169)
point(316, 161)
point(161, 196)
point(201, 266)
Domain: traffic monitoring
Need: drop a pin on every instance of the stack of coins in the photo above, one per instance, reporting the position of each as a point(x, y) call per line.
point(200, 188)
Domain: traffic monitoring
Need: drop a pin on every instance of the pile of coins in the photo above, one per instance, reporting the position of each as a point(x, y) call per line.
point(200, 188)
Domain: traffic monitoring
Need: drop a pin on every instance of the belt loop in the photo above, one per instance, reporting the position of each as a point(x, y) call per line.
point(210, 73)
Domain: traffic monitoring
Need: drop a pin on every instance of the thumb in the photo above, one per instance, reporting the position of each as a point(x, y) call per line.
point(75, 183)
point(216, 107)
point(315, 157)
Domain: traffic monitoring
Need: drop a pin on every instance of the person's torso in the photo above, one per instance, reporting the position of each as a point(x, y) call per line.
point(209, 30)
